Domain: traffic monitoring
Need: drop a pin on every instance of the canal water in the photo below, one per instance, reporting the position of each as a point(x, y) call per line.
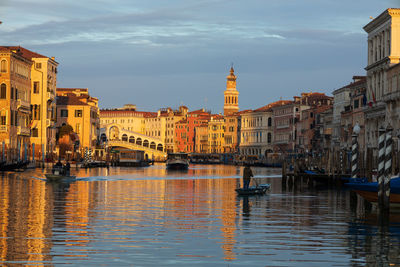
point(154, 217)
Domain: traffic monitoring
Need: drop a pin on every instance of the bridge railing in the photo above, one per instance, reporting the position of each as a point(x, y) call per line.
point(125, 143)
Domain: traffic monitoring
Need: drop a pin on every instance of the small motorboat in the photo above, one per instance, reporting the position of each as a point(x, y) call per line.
point(253, 190)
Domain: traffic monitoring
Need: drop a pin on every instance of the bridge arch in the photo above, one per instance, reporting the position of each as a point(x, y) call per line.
point(139, 141)
point(131, 139)
point(124, 138)
point(160, 147)
point(153, 145)
point(146, 143)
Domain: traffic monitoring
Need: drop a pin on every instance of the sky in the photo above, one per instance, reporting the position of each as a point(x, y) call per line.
point(167, 53)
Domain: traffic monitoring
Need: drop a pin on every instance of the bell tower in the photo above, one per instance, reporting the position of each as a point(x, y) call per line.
point(231, 103)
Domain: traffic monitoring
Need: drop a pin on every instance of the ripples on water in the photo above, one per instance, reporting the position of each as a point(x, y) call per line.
point(149, 216)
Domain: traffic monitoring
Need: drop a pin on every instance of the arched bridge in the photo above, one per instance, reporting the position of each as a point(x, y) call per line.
point(116, 136)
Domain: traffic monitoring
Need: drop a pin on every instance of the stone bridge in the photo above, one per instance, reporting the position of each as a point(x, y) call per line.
point(116, 136)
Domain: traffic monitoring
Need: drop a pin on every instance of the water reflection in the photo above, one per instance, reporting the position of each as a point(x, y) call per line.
point(150, 216)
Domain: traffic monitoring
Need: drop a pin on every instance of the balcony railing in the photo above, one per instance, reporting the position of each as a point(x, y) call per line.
point(22, 104)
point(24, 131)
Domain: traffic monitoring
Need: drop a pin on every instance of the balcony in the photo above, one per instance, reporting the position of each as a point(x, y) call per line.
point(26, 131)
point(50, 95)
point(23, 106)
point(3, 128)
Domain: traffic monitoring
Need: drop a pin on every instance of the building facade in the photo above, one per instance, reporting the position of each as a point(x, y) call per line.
point(216, 130)
point(75, 107)
point(15, 99)
point(383, 53)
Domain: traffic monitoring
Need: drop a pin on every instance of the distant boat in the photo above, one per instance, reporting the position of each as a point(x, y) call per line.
point(178, 161)
point(369, 190)
point(253, 190)
point(58, 177)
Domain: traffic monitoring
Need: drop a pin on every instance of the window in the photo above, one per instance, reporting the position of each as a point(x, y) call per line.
point(12, 92)
point(35, 132)
point(3, 120)
point(64, 113)
point(356, 103)
point(38, 65)
point(269, 122)
point(3, 66)
point(78, 113)
point(3, 91)
point(36, 87)
point(269, 138)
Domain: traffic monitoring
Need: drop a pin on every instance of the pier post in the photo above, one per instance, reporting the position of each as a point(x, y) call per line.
point(354, 157)
point(388, 168)
point(369, 164)
point(284, 177)
point(381, 165)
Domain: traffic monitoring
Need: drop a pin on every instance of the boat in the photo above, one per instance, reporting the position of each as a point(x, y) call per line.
point(369, 190)
point(253, 190)
point(178, 161)
point(59, 174)
point(59, 177)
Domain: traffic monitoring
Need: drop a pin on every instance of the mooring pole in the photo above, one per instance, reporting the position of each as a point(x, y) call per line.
point(388, 168)
point(354, 157)
point(381, 165)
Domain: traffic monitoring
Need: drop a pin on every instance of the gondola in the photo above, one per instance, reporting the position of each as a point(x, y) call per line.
point(253, 190)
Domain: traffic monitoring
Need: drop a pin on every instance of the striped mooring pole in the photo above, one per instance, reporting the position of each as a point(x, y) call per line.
point(388, 167)
point(341, 161)
point(381, 163)
point(354, 156)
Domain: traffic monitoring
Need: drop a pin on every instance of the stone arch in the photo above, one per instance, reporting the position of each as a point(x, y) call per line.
point(139, 141)
point(160, 147)
point(146, 143)
point(131, 139)
point(153, 145)
point(124, 138)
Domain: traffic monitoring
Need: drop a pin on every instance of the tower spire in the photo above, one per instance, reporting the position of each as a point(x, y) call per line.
point(231, 94)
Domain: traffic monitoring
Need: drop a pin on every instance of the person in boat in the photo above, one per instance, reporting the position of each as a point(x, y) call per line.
point(67, 168)
point(247, 174)
point(57, 167)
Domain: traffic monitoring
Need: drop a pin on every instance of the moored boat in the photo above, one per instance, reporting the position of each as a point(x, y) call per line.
point(369, 190)
point(177, 161)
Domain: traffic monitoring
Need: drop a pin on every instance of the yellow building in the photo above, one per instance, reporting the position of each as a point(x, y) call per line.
point(43, 104)
point(231, 133)
point(15, 99)
point(216, 134)
point(77, 108)
point(127, 117)
point(201, 138)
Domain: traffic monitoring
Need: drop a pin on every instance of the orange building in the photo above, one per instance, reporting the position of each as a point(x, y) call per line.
point(185, 130)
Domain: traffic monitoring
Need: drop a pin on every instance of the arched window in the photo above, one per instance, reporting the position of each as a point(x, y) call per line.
point(269, 122)
point(3, 67)
point(3, 91)
point(269, 138)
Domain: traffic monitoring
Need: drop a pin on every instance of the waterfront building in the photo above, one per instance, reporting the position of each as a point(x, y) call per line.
point(185, 130)
point(342, 102)
point(15, 100)
point(201, 138)
point(127, 117)
point(256, 132)
point(307, 134)
point(383, 53)
point(216, 134)
point(75, 107)
point(43, 104)
point(231, 95)
point(231, 133)
point(392, 99)
point(353, 114)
